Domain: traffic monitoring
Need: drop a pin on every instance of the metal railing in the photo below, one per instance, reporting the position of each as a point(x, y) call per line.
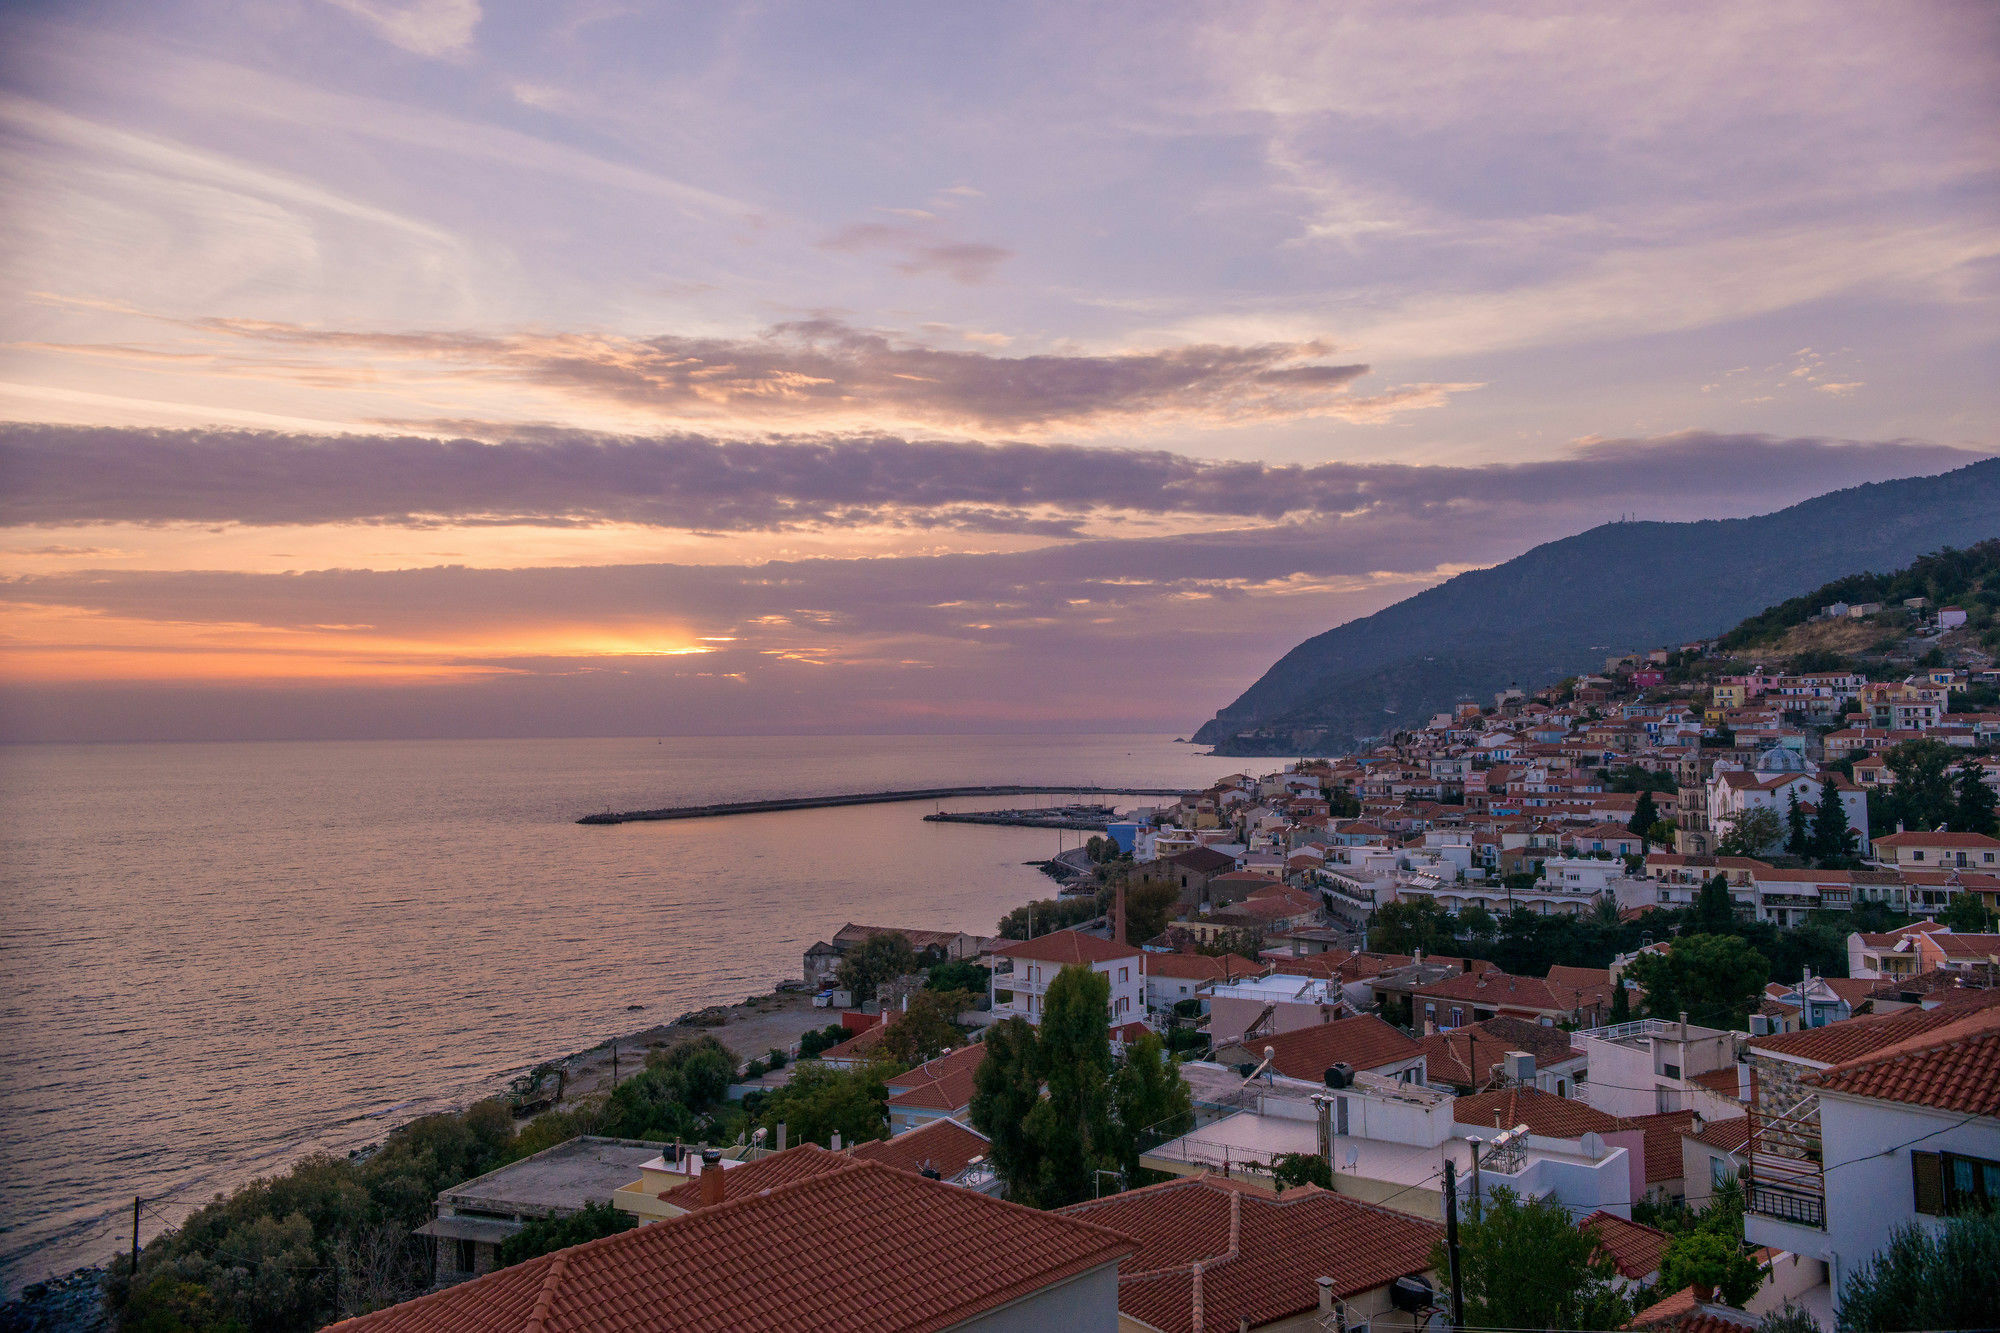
point(1788, 1205)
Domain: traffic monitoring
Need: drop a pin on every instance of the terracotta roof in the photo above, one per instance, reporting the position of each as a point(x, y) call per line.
point(1955, 1067)
point(1633, 1246)
point(1580, 978)
point(1903, 932)
point(1663, 1141)
point(1202, 860)
point(1449, 1057)
point(1731, 1135)
point(1722, 1082)
point(1963, 840)
point(858, 1045)
point(944, 1144)
point(1543, 1113)
point(780, 1168)
point(1283, 1246)
point(1364, 1041)
point(1941, 984)
point(1498, 989)
point(1838, 1043)
point(1682, 1313)
point(912, 1254)
point(943, 1084)
point(1200, 966)
point(1069, 946)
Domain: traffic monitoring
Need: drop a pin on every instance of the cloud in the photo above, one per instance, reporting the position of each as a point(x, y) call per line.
point(56, 475)
point(423, 27)
point(824, 372)
point(922, 249)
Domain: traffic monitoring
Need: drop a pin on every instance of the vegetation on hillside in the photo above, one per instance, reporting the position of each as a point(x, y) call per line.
point(1968, 578)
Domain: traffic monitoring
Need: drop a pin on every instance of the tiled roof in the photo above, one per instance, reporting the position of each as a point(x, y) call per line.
point(1838, 1043)
point(1283, 1246)
point(1497, 989)
point(1543, 1113)
point(1068, 946)
point(1722, 1082)
point(1683, 1313)
point(906, 1254)
point(1939, 984)
point(1451, 1057)
point(1364, 1041)
point(1580, 978)
point(1955, 1067)
point(943, 1084)
point(1633, 1246)
point(1202, 860)
point(944, 1144)
point(858, 1045)
point(1663, 1141)
point(1968, 841)
point(780, 1168)
point(1731, 1135)
point(1200, 967)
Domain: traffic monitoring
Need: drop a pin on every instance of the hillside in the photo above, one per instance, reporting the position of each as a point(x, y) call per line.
point(1563, 607)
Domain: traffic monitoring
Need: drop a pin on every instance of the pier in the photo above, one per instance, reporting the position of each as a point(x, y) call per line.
point(776, 804)
point(1076, 818)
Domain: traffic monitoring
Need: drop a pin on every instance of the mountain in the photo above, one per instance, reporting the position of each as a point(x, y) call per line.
point(1563, 607)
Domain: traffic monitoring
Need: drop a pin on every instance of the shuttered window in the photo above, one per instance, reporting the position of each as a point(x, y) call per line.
point(1927, 1179)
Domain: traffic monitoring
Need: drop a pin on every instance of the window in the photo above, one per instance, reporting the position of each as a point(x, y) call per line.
point(1124, 974)
point(1916, 856)
point(466, 1256)
point(1671, 1071)
point(1720, 1172)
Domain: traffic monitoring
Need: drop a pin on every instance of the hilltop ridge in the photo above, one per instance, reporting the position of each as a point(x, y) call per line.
point(1562, 606)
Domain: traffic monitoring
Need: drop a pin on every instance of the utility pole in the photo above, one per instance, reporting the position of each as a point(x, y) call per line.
point(1451, 1241)
point(135, 1238)
point(614, 1064)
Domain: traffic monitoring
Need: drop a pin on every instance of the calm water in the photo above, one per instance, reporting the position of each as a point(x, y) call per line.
point(218, 957)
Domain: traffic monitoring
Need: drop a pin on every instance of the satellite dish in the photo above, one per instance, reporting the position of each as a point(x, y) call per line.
point(1592, 1144)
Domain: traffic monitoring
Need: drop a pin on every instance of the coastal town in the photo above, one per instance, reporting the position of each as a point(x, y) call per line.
point(1665, 998)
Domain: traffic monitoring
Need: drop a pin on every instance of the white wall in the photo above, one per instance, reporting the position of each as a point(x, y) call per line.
point(1088, 1303)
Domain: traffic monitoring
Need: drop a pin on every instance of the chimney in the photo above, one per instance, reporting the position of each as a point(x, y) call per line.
point(1684, 1025)
point(1118, 915)
point(834, 1142)
point(1326, 1295)
point(712, 1177)
point(781, 1136)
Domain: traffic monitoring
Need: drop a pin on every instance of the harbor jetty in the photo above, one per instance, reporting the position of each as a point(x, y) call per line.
point(781, 803)
point(1080, 818)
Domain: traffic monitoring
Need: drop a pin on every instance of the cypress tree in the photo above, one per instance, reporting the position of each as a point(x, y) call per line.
point(1798, 842)
point(1644, 815)
point(1831, 837)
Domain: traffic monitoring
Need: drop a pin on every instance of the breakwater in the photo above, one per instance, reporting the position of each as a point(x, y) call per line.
point(1076, 818)
point(774, 805)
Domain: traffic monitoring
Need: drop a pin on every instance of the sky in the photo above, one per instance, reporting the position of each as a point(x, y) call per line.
point(448, 368)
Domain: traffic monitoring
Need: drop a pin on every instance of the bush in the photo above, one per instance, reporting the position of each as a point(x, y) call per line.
point(547, 1234)
point(1925, 1281)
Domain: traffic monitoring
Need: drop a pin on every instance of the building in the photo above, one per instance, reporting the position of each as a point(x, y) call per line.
point(1870, 1125)
point(1939, 851)
point(1258, 1007)
point(1172, 978)
point(1632, 1246)
point(1473, 1058)
point(935, 1090)
point(1215, 1253)
point(1650, 1065)
point(1363, 1043)
point(751, 1263)
point(1474, 997)
point(1023, 972)
point(474, 1218)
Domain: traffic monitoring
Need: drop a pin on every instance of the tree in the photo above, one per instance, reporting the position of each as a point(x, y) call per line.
point(1301, 1168)
point(1005, 1089)
point(1973, 801)
point(1714, 913)
point(1150, 1100)
point(1789, 1318)
point(1831, 836)
point(1477, 922)
point(959, 976)
point(1038, 918)
point(877, 959)
point(1149, 906)
point(1921, 1280)
point(547, 1234)
point(1524, 1264)
point(1709, 1259)
point(1752, 832)
point(664, 1099)
point(926, 1029)
point(1410, 924)
point(1644, 815)
point(1621, 1003)
point(1714, 979)
point(1965, 913)
point(1073, 1121)
point(1922, 797)
point(1798, 838)
point(821, 1101)
point(820, 1039)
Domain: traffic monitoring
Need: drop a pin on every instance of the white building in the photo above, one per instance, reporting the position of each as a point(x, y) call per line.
point(1649, 1066)
point(1269, 1005)
point(1023, 972)
point(1870, 1125)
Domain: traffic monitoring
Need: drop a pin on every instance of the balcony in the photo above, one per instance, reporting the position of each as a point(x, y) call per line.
point(1800, 1207)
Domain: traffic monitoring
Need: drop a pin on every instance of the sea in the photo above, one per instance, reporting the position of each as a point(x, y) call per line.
point(217, 958)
